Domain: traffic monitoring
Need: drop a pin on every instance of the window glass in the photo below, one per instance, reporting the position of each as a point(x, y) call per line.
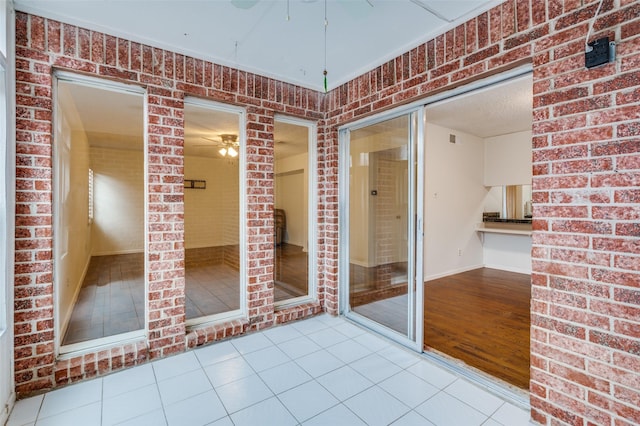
point(212, 156)
point(291, 213)
point(99, 278)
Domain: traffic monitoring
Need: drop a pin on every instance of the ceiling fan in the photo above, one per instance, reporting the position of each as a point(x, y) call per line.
point(228, 144)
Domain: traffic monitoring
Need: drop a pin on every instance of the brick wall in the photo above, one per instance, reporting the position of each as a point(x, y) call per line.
point(585, 312)
point(585, 328)
point(43, 45)
point(585, 347)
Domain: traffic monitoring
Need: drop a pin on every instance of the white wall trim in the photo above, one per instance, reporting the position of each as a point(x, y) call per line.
point(452, 272)
point(508, 269)
point(118, 252)
point(8, 164)
point(65, 321)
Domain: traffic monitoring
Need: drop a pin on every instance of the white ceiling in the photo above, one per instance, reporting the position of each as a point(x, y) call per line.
point(360, 35)
point(495, 110)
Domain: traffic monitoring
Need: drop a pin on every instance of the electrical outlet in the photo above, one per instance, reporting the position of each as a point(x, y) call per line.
point(459, 252)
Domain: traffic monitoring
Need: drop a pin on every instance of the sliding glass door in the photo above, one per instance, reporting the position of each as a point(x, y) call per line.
point(381, 225)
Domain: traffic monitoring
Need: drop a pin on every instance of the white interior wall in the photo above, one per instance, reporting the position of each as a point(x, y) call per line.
point(77, 211)
point(73, 230)
point(374, 242)
point(454, 199)
point(290, 198)
point(507, 252)
point(493, 200)
point(507, 159)
point(291, 195)
point(507, 162)
point(359, 207)
point(118, 224)
point(206, 210)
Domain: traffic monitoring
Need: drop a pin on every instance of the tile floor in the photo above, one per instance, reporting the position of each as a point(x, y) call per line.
point(320, 371)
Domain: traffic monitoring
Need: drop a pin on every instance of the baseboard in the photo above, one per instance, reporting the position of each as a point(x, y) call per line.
point(7, 408)
point(76, 294)
point(358, 263)
point(115, 253)
point(508, 269)
point(452, 272)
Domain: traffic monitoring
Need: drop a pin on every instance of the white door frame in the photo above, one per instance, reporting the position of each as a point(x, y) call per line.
point(7, 208)
point(414, 337)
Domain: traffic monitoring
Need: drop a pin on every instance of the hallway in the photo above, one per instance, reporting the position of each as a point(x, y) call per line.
point(320, 371)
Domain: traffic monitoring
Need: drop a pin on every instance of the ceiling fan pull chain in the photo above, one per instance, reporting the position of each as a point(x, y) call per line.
point(326, 24)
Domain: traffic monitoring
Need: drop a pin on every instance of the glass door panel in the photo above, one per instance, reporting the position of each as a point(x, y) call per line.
point(381, 226)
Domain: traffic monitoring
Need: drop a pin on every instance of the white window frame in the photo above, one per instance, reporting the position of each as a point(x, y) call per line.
point(7, 204)
point(69, 351)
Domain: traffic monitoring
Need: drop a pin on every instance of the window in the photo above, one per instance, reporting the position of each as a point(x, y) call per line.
point(294, 213)
point(99, 151)
point(213, 162)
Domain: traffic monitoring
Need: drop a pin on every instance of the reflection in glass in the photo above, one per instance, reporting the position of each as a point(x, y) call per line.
point(508, 202)
point(378, 222)
point(291, 272)
point(211, 211)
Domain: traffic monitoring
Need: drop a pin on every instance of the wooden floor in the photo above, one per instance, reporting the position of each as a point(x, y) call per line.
point(291, 272)
point(481, 317)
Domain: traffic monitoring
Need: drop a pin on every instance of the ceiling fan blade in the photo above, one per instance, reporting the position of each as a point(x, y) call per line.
point(216, 141)
point(244, 4)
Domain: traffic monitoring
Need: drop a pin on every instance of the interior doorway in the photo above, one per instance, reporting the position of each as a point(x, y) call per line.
point(472, 256)
point(478, 229)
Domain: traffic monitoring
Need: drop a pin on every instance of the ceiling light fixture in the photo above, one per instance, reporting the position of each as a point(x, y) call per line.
point(229, 145)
